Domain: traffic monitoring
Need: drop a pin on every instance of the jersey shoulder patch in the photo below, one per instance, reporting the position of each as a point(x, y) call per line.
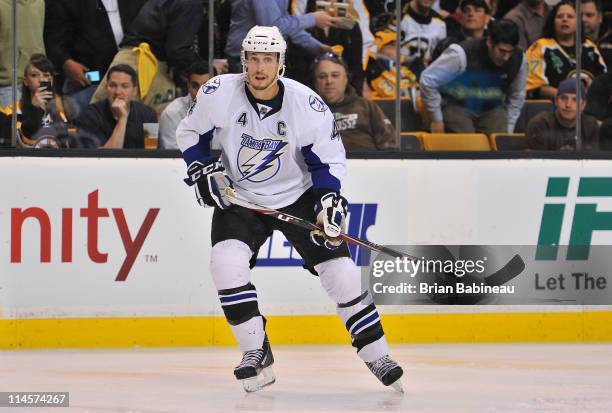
point(316, 103)
point(211, 86)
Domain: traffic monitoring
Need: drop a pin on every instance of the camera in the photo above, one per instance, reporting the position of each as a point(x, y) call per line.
point(333, 8)
point(47, 85)
point(345, 12)
point(93, 76)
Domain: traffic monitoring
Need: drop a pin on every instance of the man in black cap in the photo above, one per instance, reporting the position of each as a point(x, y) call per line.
point(557, 130)
point(470, 22)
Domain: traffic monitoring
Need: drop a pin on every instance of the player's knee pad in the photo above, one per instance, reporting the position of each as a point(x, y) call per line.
point(229, 264)
point(340, 278)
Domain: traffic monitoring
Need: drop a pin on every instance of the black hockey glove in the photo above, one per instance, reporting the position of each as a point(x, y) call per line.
point(331, 211)
point(210, 182)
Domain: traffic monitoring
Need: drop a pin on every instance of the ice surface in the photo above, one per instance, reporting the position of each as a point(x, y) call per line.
point(492, 378)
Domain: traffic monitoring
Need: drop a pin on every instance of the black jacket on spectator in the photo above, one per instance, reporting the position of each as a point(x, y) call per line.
point(80, 30)
point(98, 119)
point(170, 27)
point(599, 97)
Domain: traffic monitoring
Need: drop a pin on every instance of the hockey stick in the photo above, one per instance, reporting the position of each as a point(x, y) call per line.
point(282, 216)
point(510, 270)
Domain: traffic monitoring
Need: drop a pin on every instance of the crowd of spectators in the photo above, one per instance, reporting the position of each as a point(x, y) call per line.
point(106, 67)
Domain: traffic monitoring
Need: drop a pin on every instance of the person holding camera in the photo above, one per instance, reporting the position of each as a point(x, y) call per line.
point(39, 106)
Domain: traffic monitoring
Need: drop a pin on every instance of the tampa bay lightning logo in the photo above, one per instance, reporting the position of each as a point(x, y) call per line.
point(211, 86)
point(259, 159)
point(317, 104)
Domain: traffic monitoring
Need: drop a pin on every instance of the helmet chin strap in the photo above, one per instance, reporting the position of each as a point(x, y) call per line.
point(279, 74)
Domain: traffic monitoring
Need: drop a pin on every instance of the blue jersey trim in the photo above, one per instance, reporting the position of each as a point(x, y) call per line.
point(201, 150)
point(321, 177)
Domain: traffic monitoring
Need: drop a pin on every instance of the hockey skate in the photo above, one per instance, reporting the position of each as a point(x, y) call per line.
point(255, 369)
point(388, 372)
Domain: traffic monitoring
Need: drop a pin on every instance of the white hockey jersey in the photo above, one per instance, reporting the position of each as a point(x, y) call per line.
point(421, 35)
point(271, 154)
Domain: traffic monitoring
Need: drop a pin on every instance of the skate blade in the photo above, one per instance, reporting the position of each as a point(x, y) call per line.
point(263, 379)
point(397, 386)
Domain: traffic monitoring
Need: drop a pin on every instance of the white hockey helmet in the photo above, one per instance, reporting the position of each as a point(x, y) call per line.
point(264, 39)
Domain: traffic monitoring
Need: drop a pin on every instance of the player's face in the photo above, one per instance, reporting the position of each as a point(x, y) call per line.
point(262, 69)
point(567, 107)
point(474, 18)
point(330, 81)
point(195, 83)
point(565, 21)
point(120, 86)
point(591, 20)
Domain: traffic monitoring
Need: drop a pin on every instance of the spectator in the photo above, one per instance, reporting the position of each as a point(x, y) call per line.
point(557, 130)
point(361, 123)
point(30, 22)
point(474, 17)
point(599, 105)
point(345, 42)
point(422, 29)
point(381, 69)
point(82, 36)
point(552, 58)
point(39, 107)
point(477, 85)
point(197, 75)
point(529, 16)
point(162, 39)
point(249, 13)
point(600, 34)
point(118, 120)
point(36, 95)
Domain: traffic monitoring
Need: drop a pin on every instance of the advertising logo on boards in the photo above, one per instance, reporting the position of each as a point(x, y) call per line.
point(91, 216)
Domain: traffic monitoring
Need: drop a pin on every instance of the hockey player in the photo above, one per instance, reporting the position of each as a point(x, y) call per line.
point(280, 148)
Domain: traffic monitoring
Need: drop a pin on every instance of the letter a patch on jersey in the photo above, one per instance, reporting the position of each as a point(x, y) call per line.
point(259, 159)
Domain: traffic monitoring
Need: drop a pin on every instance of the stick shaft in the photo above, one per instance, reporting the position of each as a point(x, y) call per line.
point(282, 216)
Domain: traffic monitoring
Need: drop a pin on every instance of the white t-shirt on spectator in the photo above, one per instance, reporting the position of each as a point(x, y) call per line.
point(112, 9)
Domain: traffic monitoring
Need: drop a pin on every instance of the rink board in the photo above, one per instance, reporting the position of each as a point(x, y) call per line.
point(102, 252)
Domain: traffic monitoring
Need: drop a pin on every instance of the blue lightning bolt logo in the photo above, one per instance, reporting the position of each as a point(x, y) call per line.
point(252, 166)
